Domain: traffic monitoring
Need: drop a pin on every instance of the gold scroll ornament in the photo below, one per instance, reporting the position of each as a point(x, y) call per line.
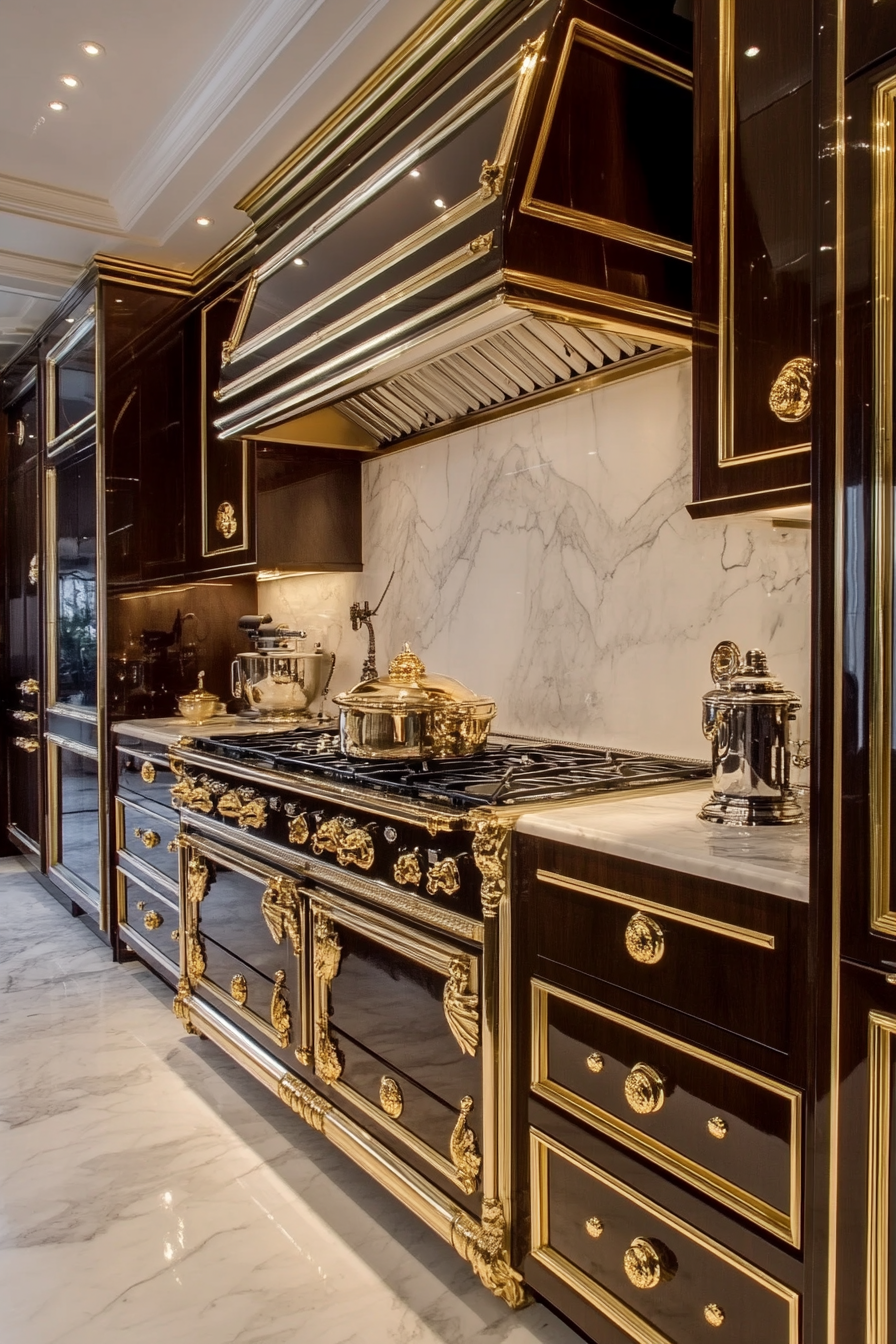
point(226, 520)
point(328, 1062)
point(280, 1018)
point(443, 876)
point(461, 1007)
point(391, 1098)
point(464, 1150)
point(244, 810)
point(350, 844)
point(281, 911)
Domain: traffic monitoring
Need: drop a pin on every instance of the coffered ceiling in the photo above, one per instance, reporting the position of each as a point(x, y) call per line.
point(189, 103)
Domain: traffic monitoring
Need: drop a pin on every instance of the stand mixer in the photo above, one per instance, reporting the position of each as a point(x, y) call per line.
point(282, 680)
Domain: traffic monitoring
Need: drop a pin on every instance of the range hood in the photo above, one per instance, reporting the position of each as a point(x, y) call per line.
point(503, 209)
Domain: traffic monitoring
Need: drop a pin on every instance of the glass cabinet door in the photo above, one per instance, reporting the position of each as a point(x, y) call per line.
point(72, 653)
point(71, 386)
point(74, 857)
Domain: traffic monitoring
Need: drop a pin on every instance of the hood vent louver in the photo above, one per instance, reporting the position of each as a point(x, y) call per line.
point(514, 216)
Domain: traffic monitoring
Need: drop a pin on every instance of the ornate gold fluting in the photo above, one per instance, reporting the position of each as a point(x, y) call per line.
point(648, 1263)
point(226, 520)
point(391, 1098)
point(33, 571)
point(351, 844)
point(443, 876)
point(328, 1062)
point(281, 906)
point(713, 1314)
point(150, 838)
point(196, 962)
point(152, 920)
point(717, 1127)
point(464, 1150)
point(645, 1090)
point(187, 792)
point(239, 989)
point(407, 871)
point(484, 1246)
point(181, 1007)
point(490, 841)
point(298, 830)
point(595, 1062)
point(280, 1017)
point(461, 1007)
point(644, 939)
point(243, 808)
point(147, 772)
point(26, 743)
point(29, 686)
point(197, 879)
point(594, 1227)
point(790, 398)
point(304, 1101)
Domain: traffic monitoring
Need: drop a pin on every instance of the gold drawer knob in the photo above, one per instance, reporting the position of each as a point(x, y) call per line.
point(645, 941)
point(648, 1263)
point(713, 1314)
point(147, 772)
point(645, 1090)
point(29, 686)
point(717, 1127)
point(175, 935)
point(391, 1098)
point(239, 989)
point(595, 1062)
point(149, 838)
point(26, 743)
point(152, 920)
point(25, 715)
point(594, 1227)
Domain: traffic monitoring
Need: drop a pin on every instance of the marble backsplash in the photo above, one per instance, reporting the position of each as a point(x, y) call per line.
point(547, 560)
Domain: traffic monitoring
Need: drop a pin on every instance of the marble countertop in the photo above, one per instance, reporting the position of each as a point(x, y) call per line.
point(663, 829)
point(167, 731)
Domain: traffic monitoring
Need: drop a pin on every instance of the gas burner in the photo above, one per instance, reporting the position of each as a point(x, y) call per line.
point(509, 773)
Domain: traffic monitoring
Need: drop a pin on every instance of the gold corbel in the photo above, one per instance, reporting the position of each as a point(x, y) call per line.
point(484, 1246)
point(490, 844)
point(461, 1007)
point(280, 908)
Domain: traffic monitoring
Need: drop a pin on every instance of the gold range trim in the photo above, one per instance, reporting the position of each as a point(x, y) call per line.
point(481, 1244)
point(618, 49)
point(881, 1029)
point(631, 1322)
point(315, 870)
point(753, 936)
point(399, 75)
point(207, 551)
point(626, 306)
point(416, 948)
point(883, 916)
point(727, 456)
point(782, 1223)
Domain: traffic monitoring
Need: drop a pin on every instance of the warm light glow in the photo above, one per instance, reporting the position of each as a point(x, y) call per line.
point(69, 319)
point(752, 51)
point(415, 172)
point(298, 261)
point(56, 106)
point(439, 203)
point(70, 81)
point(91, 48)
point(204, 221)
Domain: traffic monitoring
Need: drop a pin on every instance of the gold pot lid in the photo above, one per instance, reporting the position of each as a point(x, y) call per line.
point(199, 697)
point(408, 686)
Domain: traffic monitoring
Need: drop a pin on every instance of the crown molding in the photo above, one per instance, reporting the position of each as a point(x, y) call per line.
point(261, 33)
point(33, 276)
point(58, 205)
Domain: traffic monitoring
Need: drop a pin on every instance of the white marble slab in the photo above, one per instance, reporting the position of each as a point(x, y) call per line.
point(664, 829)
point(167, 731)
point(548, 560)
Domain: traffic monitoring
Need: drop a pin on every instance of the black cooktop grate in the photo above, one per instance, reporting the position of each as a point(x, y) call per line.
point(510, 772)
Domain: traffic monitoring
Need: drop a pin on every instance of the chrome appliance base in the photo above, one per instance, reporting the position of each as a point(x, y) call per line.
point(727, 810)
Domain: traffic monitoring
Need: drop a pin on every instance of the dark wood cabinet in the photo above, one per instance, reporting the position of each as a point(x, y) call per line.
point(753, 357)
point(870, 33)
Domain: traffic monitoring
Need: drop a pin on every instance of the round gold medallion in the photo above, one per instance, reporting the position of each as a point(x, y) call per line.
point(391, 1099)
point(645, 1090)
point(152, 920)
point(717, 1127)
point(594, 1227)
point(790, 398)
point(645, 941)
point(713, 1314)
point(147, 772)
point(648, 1263)
point(595, 1062)
point(239, 989)
point(225, 520)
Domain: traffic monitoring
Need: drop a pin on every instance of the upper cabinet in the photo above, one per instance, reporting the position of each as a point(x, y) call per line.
point(870, 33)
point(503, 208)
point(753, 367)
point(71, 387)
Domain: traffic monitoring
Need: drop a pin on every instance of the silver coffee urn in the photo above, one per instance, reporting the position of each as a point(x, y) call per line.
point(747, 717)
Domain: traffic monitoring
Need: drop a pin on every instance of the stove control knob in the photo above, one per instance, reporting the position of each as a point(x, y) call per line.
point(275, 802)
point(390, 834)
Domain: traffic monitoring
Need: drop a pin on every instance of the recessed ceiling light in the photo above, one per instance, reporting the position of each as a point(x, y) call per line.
point(56, 106)
point(70, 81)
point(204, 221)
point(92, 48)
point(752, 51)
point(69, 319)
point(439, 203)
point(415, 172)
point(298, 261)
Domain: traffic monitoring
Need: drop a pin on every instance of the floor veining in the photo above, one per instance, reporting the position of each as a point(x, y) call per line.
point(150, 1190)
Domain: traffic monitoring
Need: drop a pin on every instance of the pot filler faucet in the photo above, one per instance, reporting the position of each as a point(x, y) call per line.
point(362, 615)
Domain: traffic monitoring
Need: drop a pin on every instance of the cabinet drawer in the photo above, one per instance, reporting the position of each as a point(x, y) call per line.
point(269, 1006)
point(149, 922)
point(147, 838)
point(696, 959)
point(236, 905)
point(722, 1128)
point(447, 1139)
point(652, 1275)
point(145, 776)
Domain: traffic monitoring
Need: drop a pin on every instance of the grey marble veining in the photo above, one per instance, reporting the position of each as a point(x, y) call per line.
point(150, 1190)
point(547, 560)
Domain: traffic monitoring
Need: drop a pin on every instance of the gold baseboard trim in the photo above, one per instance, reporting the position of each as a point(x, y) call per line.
point(481, 1244)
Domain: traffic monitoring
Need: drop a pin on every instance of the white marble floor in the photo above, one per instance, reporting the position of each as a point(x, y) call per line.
point(150, 1191)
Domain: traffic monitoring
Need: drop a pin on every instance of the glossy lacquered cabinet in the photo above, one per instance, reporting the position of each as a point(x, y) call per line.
point(22, 698)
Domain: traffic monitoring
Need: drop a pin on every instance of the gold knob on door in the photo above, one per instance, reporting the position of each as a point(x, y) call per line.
point(645, 941)
point(29, 686)
point(26, 743)
point(149, 838)
point(595, 1062)
point(713, 1314)
point(147, 772)
point(152, 920)
point(649, 1263)
point(645, 1090)
point(594, 1227)
point(717, 1127)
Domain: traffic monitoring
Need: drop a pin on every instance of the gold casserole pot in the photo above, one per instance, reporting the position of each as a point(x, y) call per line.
point(410, 716)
